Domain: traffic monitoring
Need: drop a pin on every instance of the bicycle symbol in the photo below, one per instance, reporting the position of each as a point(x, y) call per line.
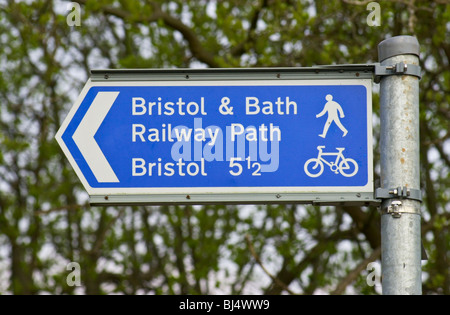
point(347, 167)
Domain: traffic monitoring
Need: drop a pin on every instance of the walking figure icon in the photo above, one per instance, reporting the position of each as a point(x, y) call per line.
point(333, 109)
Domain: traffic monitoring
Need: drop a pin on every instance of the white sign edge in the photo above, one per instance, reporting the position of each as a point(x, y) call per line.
point(369, 187)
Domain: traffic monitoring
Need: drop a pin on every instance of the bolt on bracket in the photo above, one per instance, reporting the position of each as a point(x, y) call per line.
point(400, 68)
point(399, 192)
point(395, 209)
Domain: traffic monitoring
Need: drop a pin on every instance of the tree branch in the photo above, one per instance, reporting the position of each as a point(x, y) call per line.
point(363, 2)
point(258, 260)
point(62, 208)
point(195, 46)
point(240, 48)
point(287, 276)
point(365, 224)
point(101, 235)
point(342, 285)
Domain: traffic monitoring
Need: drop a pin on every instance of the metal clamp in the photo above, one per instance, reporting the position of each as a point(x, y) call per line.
point(396, 208)
point(399, 192)
point(399, 68)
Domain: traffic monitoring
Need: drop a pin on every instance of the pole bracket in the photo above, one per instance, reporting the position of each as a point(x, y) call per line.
point(399, 192)
point(396, 209)
point(400, 68)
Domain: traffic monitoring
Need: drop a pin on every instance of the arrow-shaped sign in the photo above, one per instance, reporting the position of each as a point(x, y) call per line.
point(158, 138)
point(84, 137)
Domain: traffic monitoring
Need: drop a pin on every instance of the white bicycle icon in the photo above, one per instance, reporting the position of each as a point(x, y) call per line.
point(347, 167)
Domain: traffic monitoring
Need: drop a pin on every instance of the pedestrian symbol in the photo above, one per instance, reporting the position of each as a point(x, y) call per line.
point(332, 108)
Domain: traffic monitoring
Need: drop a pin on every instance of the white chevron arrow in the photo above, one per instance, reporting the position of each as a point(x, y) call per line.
point(84, 137)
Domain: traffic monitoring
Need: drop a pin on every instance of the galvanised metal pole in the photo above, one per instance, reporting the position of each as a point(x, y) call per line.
point(400, 220)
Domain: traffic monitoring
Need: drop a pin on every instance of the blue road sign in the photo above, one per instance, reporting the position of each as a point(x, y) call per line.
point(221, 138)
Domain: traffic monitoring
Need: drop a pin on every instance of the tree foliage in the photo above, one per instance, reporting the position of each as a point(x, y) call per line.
point(45, 221)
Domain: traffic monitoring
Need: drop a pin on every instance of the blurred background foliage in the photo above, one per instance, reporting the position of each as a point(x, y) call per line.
point(45, 219)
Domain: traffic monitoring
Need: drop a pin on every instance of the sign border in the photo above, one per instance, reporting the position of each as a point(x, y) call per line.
point(245, 195)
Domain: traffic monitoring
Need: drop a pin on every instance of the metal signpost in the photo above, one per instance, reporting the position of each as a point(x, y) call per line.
point(252, 136)
point(223, 136)
point(400, 169)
